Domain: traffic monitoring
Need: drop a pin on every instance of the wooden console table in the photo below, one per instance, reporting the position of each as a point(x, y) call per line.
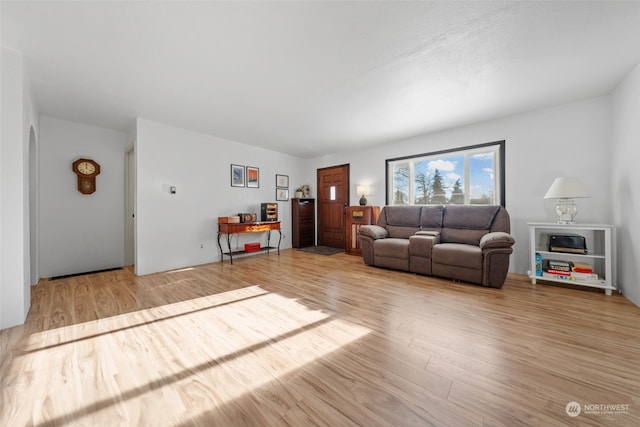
point(247, 227)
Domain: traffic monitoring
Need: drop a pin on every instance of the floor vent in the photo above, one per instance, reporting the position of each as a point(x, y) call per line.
point(87, 272)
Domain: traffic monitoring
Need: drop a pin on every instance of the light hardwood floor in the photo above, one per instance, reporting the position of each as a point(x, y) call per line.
point(302, 339)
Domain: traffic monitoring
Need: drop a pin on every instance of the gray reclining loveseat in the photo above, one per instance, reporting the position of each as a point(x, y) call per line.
point(470, 243)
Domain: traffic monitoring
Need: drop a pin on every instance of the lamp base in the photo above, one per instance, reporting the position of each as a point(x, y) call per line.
point(363, 201)
point(567, 211)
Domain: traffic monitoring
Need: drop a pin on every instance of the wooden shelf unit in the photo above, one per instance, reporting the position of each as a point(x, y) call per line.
point(600, 240)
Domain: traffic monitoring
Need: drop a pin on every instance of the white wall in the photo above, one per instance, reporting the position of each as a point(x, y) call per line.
point(570, 139)
point(80, 233)
point(18, 116)
point(626, 181)
point(172, 227)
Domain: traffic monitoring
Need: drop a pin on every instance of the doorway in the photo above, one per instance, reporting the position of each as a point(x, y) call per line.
point(333, 199)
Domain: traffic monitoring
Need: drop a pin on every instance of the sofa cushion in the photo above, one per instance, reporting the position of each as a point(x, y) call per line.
point(401, 232)
point(467, 224)
point(459, 235)
point(392, 248)
point(431, 217)
point(401, 221)
point(457, 254)
point(474, 217)
point(400, 215)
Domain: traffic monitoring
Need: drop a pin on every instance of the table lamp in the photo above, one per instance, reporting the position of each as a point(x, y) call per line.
point(364, 190)
point(565, 189)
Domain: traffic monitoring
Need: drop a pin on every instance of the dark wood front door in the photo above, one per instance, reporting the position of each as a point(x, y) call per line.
point(333, 199)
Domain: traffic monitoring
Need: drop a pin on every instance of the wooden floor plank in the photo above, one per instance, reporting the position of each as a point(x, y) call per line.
point(305, 339)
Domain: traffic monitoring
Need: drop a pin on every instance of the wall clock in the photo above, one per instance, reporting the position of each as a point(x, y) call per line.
point(87, 170)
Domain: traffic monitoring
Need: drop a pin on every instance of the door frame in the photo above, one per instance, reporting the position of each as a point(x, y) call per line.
point(130, 207)
point(319, 204)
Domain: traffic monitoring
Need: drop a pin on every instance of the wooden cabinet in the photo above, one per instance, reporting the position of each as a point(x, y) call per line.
point(303, 227)
point(356, 217)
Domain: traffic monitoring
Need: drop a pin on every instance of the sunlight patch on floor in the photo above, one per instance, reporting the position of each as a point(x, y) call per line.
point(177, 360)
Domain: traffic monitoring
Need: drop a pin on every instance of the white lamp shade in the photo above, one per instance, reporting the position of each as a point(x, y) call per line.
point(362, 190)
point(566, 187)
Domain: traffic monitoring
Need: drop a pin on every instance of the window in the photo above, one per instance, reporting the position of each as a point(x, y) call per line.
point(471, 175)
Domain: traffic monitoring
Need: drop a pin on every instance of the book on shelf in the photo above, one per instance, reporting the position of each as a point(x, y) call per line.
point(553, 264)
point(580, 267)
point(567, 266)
point(592, 279)
point(558, 272)
point(575, 274)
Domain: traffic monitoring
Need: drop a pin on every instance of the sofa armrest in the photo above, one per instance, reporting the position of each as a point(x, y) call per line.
point(420, 245)
point(497, 239)
point(496, 248)
point(427, 233)
point(367, 235)
point(373, 231)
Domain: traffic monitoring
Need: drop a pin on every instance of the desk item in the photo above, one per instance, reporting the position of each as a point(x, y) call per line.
point(268, 212)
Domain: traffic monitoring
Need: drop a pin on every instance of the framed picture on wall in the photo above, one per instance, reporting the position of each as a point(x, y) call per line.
point(253, 177)
point(282, 181)
point(237, 176)
point(282, 194)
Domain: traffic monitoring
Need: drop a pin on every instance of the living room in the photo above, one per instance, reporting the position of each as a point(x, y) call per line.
point(592, 137)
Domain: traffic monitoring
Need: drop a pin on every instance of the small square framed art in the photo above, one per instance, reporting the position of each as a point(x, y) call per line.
point(282, 181)
point(282, 194)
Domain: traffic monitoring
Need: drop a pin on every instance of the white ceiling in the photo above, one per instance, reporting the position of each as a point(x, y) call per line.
point(310, 78)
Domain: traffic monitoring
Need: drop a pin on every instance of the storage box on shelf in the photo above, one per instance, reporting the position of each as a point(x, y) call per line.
point(593, 266)
point(252, 247)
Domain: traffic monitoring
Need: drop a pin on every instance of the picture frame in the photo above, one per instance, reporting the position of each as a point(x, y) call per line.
point(237, 175)
point(282, 181)
point(282, 194)
point(252, 177)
